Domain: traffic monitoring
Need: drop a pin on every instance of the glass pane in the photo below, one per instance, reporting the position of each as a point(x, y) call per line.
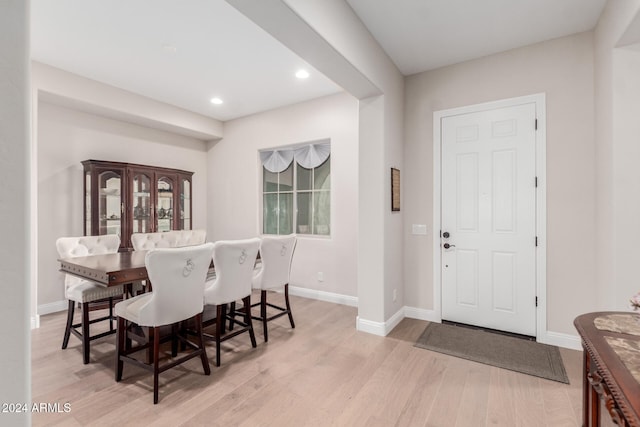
point(270, 214)
point(303, 223)
point(165, 204)
point(141, 203)
point(286, 179)
point(109, 203)
point(269, 181)
point(322, 176)
point(285, 214)
point(87, 204)
point(303, 179)
point(322, 212)
point(185, 205)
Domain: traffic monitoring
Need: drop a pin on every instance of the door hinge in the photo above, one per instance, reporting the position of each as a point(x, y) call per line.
point(536, 240)
point(536, 182)
point(536, 301)
point(536, 125)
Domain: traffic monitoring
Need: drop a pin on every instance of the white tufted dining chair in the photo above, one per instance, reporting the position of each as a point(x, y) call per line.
point(276, 254)
point(178, 276)
point(233, 261)
point(85, 292)
point(167, 239)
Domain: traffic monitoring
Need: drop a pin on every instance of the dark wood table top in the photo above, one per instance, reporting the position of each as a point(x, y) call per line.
point(108, 269)
point(600, 332)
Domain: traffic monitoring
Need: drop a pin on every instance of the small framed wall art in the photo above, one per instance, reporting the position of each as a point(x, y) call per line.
point(395, 189)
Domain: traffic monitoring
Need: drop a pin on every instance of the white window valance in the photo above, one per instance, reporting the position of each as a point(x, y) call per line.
point(276, 160)
point(312, 155)
point(308, 156)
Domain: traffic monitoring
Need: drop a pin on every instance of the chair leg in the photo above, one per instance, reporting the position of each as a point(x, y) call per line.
point(286, 299)
point(111, 313)
point(156, 365)
point(247, 319)
point(121, 331)
point(219, 323)
point(232, 320)
point(85, 332)
point(263, 314)
point(67, 330)
point(203, 355)
point(150, 335)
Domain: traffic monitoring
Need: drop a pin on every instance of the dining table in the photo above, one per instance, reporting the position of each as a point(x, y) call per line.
point(611, 368)
point(108, 269)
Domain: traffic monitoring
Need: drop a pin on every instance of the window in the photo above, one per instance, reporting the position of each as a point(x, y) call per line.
point(296, 190)
point(277, 201)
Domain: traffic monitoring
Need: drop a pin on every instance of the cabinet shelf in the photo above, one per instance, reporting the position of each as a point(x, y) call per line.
point(110, 192)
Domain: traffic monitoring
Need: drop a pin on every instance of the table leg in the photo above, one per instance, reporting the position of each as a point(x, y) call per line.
point(593, 384)
point(585, 388)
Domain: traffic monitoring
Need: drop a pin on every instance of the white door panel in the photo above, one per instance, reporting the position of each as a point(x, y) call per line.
point(488, 208)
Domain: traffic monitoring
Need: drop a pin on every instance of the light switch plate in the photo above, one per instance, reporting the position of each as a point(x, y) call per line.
point(419, 229)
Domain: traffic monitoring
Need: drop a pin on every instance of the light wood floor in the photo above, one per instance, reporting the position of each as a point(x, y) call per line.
point(323, 373)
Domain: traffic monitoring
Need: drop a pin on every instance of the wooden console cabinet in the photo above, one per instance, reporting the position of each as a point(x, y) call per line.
point(611, 377)
point(125, 198)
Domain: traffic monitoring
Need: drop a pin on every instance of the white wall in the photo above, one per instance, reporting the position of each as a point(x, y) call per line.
point(616, 72)
point(235, 175)
point(15, 369)
point(65, 138)
point(563, 69)
point(626, 176)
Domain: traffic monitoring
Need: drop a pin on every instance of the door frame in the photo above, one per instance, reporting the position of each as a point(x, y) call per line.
point(541, 201)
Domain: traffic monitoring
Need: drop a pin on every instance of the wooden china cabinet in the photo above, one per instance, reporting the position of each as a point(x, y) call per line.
point(125, 198)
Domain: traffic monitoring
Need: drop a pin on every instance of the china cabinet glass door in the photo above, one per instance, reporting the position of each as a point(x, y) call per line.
point(164, 208)
point(110, 206)
point(185, 204)
point(141, 203)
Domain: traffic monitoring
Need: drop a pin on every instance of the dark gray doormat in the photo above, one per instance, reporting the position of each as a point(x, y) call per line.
point(503, 351)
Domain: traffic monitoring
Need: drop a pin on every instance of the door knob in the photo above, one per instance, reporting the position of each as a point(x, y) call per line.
point(447, 246)
point(446, 234)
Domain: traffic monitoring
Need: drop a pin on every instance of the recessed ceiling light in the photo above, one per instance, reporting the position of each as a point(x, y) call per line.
point(216, 101)
point(302, 74)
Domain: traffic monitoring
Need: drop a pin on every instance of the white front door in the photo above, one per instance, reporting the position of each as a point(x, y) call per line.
point(488, 219)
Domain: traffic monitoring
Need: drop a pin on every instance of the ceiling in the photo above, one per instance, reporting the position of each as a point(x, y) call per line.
point(185, 53)
point(422, 35)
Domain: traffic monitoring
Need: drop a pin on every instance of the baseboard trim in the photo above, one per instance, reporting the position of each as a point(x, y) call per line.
point(572, 342)
point(52, 307)
point(35, 322)
point(380, 328)
point(421, 314)
point(369, 326)
point(393, 321)
point(323, 296)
